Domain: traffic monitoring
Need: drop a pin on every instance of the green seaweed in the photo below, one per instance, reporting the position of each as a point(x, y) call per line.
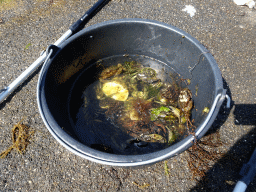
point(27, 46)
point(155, 112)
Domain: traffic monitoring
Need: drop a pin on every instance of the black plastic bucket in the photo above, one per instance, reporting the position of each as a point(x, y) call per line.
point(160, 42)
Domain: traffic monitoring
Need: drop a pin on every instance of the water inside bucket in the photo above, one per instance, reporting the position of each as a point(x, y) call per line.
point(98, 126)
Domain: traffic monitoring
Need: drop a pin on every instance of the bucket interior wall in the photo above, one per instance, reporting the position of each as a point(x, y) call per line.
point(170, 46)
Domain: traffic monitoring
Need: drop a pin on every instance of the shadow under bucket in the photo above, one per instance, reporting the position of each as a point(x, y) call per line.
point(70, 70)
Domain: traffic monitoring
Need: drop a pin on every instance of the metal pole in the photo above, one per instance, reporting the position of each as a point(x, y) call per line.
point(247, 172)
point(4, 93)
point(78, 25)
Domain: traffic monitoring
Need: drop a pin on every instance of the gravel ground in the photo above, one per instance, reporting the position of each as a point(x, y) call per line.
point(27, 27)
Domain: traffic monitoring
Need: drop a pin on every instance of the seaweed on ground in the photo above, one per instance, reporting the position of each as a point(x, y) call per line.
point(203, 153)
point(20, 139)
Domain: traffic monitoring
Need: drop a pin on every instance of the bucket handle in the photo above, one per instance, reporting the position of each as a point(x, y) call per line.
point(50, 52)
point(217, 103)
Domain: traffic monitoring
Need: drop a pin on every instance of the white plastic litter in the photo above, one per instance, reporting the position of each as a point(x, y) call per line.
point(249, 3)
point(190, 10)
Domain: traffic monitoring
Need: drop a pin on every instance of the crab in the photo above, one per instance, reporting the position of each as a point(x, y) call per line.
point(186, 104)
point(112, 71)
point(147, 74)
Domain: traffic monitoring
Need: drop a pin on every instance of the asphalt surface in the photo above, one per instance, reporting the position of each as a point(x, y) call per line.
point(27, 27)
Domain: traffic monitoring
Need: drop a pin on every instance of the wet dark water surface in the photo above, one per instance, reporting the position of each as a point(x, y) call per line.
point(96, 127)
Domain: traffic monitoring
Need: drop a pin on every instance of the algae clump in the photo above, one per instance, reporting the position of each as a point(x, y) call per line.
point(20, 139)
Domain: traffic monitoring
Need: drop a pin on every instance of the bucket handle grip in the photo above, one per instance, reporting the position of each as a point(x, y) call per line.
point(50, 52)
